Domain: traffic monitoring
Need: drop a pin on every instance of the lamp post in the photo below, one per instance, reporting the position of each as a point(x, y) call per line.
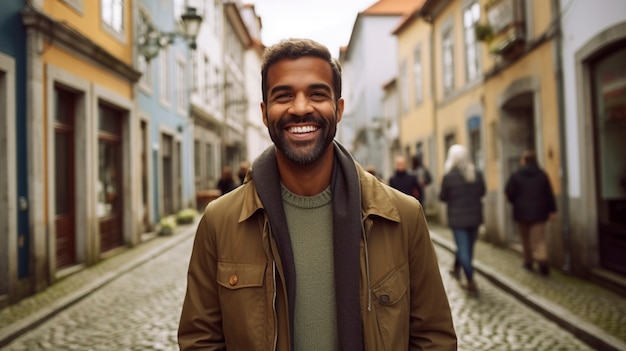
point(152, 39)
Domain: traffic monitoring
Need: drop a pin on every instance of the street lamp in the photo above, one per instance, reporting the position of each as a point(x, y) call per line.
point(152, 39)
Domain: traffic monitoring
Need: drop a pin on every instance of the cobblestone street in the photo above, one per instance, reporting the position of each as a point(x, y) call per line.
point(140, 311)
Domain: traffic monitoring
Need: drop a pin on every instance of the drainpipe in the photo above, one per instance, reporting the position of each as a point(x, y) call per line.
point(565, 212)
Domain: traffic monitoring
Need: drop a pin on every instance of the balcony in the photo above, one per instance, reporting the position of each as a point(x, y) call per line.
point(507, 25)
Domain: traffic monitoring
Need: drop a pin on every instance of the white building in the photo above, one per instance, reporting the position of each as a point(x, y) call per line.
point(369, 62)
point(593, 52)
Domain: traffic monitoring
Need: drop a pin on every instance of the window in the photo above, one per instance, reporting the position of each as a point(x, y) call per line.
point(113, 14)
point(210, 167)
point(448, 61)
point(404, 86)
point(471, 15)
point(145, 67)
point(194, 73)
point(181, 89)
point(164, 76)
point(449, 140)
point(418, 91)
point(207, 80)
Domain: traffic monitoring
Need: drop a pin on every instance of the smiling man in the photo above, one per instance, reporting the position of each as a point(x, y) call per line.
point(312, 252)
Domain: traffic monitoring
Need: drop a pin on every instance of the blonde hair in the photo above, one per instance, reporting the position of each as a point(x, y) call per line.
point(458, 158)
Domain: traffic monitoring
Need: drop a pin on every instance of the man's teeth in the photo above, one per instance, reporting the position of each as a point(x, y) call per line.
point(303, 129)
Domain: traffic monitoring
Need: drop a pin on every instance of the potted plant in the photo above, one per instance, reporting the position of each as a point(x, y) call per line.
point(186, 216)
point(483, 32)
point(167, 225)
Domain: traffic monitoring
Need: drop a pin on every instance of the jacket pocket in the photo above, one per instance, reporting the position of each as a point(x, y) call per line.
point(240, 275)
point(244, 305)
point(393, 308)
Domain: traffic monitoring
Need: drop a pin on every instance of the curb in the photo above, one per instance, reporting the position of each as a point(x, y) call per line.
point(585, 331)
point(13, 331)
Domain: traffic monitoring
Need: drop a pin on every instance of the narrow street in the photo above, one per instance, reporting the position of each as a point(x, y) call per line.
point(140, 311)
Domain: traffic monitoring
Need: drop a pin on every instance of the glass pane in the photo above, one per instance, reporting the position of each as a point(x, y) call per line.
point(108, 178)
point(63, 167)
point(109, 120)
point(610, 82)
point(63, 106)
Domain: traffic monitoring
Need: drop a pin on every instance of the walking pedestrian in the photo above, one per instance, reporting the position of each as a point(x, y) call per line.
point(404, 181)
point(462, 189)
point(423, 176)
point(227, 181)
point(243, 170)
point(529, 191)
point(312, 252)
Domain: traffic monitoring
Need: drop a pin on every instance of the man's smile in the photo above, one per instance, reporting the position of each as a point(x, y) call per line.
point(302, 129)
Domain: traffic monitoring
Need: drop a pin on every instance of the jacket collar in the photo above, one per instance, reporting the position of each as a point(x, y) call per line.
point(374, 198)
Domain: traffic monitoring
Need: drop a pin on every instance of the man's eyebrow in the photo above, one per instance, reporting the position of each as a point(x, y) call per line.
point(320, 86)
point(280, 88)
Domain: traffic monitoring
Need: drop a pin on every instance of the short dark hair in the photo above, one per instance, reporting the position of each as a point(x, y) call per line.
point(529, 157)
point(296, 48)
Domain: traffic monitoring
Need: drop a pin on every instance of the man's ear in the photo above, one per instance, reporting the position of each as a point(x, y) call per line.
point(263, 113)
point(340, 105)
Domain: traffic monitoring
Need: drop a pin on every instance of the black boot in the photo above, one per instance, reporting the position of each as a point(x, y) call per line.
point(528, 266)
point(544, 269)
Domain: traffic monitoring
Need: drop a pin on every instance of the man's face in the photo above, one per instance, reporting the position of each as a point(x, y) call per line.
point(300, 113)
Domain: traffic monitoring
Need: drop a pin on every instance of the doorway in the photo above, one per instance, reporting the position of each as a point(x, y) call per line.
point(608, 76)
point(64, 182)
point(517, 135)
point(110, 183)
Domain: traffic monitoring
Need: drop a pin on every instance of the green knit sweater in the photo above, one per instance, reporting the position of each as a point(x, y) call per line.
point(309, 219)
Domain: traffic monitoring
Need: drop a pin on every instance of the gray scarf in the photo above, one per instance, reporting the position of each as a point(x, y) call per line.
point(346, 192)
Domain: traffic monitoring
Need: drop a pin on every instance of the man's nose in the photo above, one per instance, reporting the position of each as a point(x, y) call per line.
point(301, 105)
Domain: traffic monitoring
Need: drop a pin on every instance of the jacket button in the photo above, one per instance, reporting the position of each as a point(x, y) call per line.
point(233, 280)
point(384, 298)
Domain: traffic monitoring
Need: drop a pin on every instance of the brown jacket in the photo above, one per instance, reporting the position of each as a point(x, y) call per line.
point(236, 297)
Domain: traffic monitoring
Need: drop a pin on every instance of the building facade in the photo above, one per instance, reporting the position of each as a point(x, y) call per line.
point(592, 53)
point(15, 237)
point(80, 122)
point(164, 138)
point(496, 94)
point(369, 61)
point(417, 122)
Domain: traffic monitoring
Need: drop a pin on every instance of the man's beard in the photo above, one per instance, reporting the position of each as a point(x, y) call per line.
point(302, 153)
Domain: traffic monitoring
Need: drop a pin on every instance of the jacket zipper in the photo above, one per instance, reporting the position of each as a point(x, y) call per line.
point(274, 306)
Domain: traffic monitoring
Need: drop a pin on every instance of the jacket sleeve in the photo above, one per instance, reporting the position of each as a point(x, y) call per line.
point(509, 189)
point(550, 200)
point(431, 326)
point(481, 182)
point(443, 194)
point(200, 321)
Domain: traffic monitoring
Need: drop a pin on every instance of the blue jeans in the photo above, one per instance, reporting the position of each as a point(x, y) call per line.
point(465, 239)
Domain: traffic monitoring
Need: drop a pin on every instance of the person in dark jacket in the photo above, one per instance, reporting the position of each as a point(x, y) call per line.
point(227, 181)
point(462, 189)
point(529, 191)
point(404, 181)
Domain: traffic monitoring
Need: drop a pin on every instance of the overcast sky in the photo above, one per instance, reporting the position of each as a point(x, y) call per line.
point(328, 21)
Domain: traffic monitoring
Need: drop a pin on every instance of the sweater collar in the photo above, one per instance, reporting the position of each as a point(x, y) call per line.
point(345, 189)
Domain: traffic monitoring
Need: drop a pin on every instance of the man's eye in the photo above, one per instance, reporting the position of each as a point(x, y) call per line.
point(320, 94)
point(282, 96)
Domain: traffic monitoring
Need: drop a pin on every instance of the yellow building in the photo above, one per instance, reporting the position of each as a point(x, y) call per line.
point(417, 124)
point(82, 184)
point(495, 92)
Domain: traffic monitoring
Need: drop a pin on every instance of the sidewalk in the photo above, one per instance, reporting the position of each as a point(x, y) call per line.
point(30, 312)
point(592, 313)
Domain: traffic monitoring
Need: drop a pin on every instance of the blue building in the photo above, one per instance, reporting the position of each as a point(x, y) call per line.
point(163, 109)
point(14, 228)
